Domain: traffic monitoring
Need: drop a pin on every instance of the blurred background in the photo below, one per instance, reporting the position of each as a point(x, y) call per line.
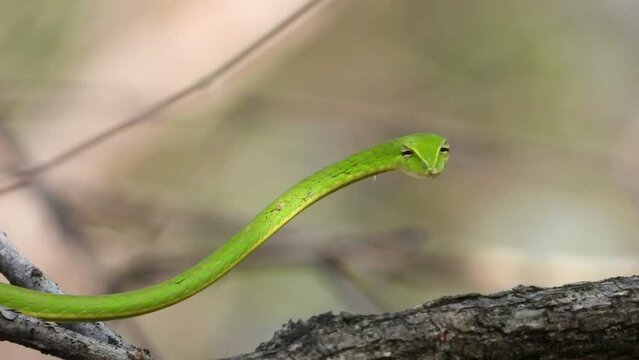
point(538, 101)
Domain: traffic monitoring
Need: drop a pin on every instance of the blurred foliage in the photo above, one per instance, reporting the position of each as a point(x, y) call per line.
point(35, 37)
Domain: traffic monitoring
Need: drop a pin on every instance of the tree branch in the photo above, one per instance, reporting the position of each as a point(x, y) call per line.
point(589, 320)
point(53, 339)
point(72, 340)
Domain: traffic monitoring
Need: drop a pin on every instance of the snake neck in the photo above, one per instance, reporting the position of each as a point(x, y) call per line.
point(376, 160)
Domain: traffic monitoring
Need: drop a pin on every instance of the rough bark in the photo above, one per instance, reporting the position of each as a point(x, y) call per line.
point(590, 320)
point(53, 339)
point(72, 340)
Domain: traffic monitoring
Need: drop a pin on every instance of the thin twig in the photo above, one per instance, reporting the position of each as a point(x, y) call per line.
point(213, 78)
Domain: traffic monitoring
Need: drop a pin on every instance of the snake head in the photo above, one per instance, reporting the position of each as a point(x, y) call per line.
point(423, 155)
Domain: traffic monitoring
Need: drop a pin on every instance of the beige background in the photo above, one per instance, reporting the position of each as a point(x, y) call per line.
point(538, 100)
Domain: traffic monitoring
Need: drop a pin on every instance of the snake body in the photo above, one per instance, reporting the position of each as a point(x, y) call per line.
point(419, 155)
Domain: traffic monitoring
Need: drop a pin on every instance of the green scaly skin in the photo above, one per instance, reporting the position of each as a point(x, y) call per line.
point(419, 155)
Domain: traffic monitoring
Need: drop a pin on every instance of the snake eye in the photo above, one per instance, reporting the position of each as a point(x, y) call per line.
point(406, 152)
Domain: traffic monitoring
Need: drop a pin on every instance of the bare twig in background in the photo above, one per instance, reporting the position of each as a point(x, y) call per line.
point(70, 339)
point(213, 78)
point(589, 320)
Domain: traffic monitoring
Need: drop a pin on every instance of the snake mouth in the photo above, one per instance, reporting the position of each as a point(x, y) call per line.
point(423, 176)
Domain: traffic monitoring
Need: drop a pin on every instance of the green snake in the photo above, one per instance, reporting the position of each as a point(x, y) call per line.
point(418, 155)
